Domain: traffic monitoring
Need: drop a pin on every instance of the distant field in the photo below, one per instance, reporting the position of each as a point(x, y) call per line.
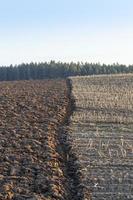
point(31, 112)
point(102, 135)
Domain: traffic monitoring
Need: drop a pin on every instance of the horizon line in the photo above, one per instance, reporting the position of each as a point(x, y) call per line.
point(68, 62)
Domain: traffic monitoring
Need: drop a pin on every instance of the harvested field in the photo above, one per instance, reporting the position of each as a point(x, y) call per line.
point(102, 135)
point(41, 160)
point(32, 158)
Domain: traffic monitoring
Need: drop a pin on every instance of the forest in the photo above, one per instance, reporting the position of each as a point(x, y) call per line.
point(52, 69)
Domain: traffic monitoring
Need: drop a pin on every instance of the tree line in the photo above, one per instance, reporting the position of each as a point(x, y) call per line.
point(58, 70)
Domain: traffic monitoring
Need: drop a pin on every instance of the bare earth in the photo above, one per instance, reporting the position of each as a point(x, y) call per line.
point(31, 165)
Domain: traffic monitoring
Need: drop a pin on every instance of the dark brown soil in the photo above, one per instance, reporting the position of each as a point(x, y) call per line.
point(34, 158)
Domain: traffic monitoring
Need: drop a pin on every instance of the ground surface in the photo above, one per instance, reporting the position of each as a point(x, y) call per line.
point(31, 162)
point(102, 135)
point(47, 155)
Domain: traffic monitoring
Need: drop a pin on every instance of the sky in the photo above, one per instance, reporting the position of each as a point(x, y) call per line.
point(66, 30)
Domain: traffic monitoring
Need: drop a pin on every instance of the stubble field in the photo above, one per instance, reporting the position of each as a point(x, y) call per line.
point(102, 135)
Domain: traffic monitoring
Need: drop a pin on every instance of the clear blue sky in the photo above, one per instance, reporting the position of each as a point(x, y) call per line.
point(66, 30)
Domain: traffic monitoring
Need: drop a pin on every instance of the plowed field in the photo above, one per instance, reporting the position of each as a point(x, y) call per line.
point(31, 160)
